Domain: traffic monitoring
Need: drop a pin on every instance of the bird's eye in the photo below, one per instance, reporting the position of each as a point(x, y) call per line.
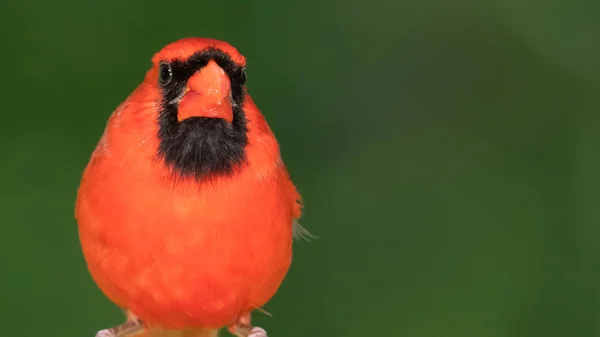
point(165, 73)
point(243, 76)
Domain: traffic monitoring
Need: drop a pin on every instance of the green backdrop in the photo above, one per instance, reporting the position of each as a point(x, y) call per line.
point(447, 152)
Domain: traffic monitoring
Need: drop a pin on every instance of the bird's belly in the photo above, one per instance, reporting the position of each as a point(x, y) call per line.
point(182, 269)
point(202, 286)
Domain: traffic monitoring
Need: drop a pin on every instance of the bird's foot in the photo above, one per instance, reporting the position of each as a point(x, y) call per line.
point(127, 329)
point(242, 328)
point(257, 332)
point(248, 331)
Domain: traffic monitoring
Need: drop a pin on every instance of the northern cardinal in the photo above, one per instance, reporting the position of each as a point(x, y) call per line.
point(186, 212)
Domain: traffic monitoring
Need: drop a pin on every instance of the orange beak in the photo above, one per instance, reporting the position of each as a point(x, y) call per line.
point(207, 95)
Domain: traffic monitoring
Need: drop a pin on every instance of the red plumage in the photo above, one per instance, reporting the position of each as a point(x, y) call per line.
point(176, 251)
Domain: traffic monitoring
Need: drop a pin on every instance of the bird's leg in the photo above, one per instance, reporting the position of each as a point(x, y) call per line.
point(242, 328)
point(130, 328)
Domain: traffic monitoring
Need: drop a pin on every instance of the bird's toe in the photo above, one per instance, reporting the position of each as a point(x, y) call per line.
point(105, 333)
point(258, 332)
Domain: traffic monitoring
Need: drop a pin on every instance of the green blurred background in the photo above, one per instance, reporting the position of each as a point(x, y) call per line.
point(447, 153)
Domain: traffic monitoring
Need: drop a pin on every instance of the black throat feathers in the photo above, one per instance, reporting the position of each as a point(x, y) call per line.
point(201, 147)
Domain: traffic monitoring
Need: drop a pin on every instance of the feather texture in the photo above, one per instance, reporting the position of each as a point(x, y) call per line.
point(184, 252)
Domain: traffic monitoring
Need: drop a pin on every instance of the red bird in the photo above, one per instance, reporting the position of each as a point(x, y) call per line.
point(186, 212)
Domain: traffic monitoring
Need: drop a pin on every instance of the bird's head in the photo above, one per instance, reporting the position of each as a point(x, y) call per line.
point(202, 78)
point(198, 87)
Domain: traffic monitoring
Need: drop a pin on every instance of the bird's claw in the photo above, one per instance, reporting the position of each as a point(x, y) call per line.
point(105, 333)
point(126, 329)
point(258, 332)
point(243, 328)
